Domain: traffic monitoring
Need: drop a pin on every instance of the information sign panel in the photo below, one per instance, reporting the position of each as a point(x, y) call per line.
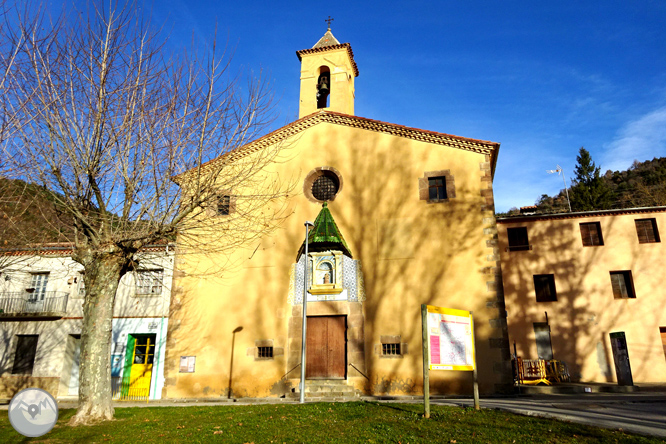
point(450, 339)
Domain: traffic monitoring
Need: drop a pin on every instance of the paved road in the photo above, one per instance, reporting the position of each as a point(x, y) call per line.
point(637, 413)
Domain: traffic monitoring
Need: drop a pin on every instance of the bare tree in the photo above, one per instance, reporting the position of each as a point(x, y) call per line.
point(648, 196)
point(138, 145)
point(16, 197)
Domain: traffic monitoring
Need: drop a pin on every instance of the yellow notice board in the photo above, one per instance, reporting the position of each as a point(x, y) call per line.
point(450, 339)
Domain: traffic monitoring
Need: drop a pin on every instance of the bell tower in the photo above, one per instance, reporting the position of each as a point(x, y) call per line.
point(328, 70)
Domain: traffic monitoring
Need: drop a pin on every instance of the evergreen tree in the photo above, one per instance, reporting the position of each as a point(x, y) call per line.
point(589, 191)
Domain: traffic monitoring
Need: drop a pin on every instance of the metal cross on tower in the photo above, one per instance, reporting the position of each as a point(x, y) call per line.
point(329, 20)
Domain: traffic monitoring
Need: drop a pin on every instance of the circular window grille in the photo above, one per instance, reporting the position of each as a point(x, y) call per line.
point(325, 187)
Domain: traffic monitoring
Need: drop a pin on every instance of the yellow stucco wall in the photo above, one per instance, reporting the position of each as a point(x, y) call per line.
point(586, 311)
point(411, 252)
point(342, 92)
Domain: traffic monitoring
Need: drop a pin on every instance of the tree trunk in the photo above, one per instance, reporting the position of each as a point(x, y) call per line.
point(101, 278)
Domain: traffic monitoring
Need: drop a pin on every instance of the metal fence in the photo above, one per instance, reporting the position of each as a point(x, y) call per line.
point(121, 391)
point(19, 302)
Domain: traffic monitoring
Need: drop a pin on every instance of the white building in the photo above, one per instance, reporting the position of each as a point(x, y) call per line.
point(41, 307)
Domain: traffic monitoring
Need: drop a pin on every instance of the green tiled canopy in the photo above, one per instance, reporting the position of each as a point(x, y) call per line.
point(325, 235)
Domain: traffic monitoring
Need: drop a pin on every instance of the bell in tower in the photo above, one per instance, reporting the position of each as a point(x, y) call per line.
point(323, 87)
point(328, 70)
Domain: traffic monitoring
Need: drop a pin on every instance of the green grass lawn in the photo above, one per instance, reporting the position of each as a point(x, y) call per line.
point(356, 422)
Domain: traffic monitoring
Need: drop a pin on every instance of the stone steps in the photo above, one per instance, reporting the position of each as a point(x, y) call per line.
point(327, 390)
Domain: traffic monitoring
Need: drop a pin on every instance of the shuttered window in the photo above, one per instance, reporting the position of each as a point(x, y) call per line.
point(623, 285)
point(647, 231)
point(518, 240)
point(544, 287)
point(590, 232)
point(24, 358)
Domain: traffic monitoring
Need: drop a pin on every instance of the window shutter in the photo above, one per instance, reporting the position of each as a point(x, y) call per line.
point(620, 280)
point(26, 350)
point(594, 235)
point(617, 285)
point(647, 231)
point(544, 287)
point(518, 239)
point(585, 234)
point(590, 233)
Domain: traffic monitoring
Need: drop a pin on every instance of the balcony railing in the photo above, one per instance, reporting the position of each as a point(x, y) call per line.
point(24, 304)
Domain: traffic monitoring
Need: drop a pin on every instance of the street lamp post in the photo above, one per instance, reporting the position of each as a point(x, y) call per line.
point(308, 225)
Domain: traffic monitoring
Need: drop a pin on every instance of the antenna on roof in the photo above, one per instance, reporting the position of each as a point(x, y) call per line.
point(559, 170)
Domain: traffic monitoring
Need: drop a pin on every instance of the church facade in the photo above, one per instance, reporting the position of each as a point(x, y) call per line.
point(402, 217)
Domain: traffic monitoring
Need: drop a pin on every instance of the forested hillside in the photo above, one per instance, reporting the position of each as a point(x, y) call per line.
point(642, 185)
point(29, 215)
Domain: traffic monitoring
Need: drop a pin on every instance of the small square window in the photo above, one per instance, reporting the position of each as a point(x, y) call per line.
point(224, 205)
point(590, 232)
point(437, 188)
point(647, 231)
point(623, 285)
point(518, 240)
point(265, 352)
point(392, 349)
point(544, 287)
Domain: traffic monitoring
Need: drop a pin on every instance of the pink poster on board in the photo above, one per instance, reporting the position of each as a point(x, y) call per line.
point(434, 350)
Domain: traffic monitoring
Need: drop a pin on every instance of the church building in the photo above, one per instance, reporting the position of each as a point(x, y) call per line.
point(401, 217)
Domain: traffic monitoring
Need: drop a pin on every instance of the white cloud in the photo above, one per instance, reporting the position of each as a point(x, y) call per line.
point(641, 139)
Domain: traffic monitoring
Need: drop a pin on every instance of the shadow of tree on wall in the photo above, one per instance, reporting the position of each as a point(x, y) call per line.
point(411, 253)
point(48, 369)
point(585, 311)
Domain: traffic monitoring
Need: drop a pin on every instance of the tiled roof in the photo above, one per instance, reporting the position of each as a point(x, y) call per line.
point(329, 48)
point(325, 235)
point(580, 214)
point(463, 143)
point(64, 249)
point(326, 40)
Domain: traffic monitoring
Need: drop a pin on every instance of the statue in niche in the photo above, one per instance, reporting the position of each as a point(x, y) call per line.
point(325, 273)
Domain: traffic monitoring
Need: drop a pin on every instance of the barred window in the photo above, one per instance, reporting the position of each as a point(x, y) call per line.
point(149, 282)
point(264, 352)
point(392, 349)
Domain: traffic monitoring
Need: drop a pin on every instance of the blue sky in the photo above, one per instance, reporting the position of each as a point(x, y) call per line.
point(541, 78)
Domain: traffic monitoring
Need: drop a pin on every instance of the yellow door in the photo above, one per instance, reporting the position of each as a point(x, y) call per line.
point(142, 366)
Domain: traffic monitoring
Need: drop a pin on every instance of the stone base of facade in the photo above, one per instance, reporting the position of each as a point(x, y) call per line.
point(11, 385)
